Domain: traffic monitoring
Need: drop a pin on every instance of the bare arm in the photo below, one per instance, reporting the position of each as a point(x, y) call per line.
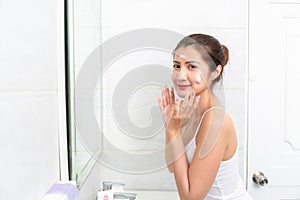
point(194, 181)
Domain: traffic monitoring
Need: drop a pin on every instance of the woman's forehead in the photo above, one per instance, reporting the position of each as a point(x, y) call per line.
point(188, 53)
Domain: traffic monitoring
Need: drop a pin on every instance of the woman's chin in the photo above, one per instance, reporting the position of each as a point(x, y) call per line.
point(181, 93)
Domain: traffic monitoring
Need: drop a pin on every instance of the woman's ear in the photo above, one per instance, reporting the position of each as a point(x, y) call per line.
point(217, 72)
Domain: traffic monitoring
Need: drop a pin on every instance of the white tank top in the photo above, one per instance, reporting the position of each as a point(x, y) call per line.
point(228, 184)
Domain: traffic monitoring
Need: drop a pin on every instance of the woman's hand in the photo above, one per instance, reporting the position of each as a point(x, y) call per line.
point(176, 117)
point(169, 109)
point(189, 108)
point(175, 120)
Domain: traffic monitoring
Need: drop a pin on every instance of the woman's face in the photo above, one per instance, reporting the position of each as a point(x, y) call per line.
point(190, 71)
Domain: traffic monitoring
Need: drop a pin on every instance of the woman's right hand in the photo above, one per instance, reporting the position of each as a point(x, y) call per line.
point(169, 109)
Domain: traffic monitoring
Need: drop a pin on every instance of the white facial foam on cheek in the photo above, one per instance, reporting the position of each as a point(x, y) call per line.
point(198, 78)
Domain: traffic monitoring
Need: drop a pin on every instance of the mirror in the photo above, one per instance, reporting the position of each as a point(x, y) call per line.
point(83, 36)
point(93, 22)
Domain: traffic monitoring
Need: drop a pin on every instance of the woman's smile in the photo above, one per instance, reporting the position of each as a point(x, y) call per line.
point(183, 87)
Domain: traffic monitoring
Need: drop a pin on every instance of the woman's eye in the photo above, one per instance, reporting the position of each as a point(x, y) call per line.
point(176, 66)
point(192, 67)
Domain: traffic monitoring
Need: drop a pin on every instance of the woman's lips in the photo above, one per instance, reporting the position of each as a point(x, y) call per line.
point(183, 87)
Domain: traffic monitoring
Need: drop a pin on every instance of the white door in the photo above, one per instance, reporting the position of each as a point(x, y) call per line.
point(274, 98)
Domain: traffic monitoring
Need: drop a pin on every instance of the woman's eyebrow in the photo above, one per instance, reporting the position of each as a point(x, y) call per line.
point(191, 61)
point(187, 62)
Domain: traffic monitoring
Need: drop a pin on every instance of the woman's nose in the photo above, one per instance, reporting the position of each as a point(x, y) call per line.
point(182, 74)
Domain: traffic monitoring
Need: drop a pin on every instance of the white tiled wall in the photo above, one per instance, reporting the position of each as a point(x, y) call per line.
point(31, 48)
point(226, 20)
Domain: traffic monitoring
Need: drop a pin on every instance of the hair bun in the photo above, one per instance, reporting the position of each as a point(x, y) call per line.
point(226, 55)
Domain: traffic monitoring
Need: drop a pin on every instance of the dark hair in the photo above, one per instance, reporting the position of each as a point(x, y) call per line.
point(216, 52)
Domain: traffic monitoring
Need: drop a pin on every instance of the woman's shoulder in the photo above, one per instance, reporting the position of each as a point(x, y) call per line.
point(214, 132)
point(215, 120)
point(216, 115)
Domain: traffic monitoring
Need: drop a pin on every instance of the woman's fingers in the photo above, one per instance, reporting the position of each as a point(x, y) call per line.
point(197, 99)
point(164, 98)
point(167, 102)
point(193, 107)
point(189, 106)
point(190, 102)
point(172, 96)
point(160, 103)
point(168, 95)
point(173, 110)
point(184, 103)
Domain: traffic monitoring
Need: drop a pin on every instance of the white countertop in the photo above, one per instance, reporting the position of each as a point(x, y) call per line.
point(155, 195)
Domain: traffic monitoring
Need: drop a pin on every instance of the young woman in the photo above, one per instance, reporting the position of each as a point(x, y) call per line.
point(201, 142)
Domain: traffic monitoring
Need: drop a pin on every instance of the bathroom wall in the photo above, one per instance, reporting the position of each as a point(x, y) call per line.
point(31, 82)
point(226, 20)
point(31, 98)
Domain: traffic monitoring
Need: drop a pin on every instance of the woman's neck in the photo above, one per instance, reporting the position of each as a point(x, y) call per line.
point(207, 100)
